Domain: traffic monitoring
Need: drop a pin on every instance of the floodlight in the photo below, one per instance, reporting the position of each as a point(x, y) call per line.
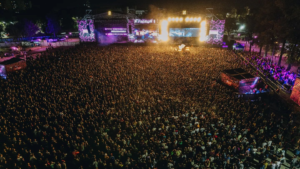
point(164, 30)
point(181, 19)
point(169, 19)
point(187, 19)
point(177, 19)
point(202, 31)
point(199, 19)
point(173, 19)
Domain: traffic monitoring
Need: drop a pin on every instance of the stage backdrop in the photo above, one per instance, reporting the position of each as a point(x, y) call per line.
point(86, 30)
point(296, 92)
point(216, 32)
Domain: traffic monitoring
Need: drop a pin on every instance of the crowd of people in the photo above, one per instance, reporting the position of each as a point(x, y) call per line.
point(274, 72)
point(137, 107)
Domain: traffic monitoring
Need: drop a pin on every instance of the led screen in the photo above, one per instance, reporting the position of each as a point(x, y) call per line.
point(216, 32)
point(86, 30)
point(184, 32)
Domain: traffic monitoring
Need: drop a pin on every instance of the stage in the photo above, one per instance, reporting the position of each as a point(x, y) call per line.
point(113, 27)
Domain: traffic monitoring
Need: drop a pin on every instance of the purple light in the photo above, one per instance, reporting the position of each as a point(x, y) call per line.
point(66, 36)
point(116, 29)
point(224, 46)
point(255, 37)
point(109, 34)
point(84, 34)
point(218, 26)
point(70, 33)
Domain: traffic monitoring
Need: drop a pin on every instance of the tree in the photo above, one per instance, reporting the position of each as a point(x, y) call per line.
point(249, 29)
point(30, 29)
point(230, 25)
point(289, 25)
point(53, 25)
point(14, 29)
point(24, 28)
point(1, 30)
point(280, 21)
point(20, 5)
point(266, 19)
point(233, 13)
point(7, 5)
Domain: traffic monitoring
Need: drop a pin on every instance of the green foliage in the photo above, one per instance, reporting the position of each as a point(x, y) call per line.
point(24, 28)
point(53, 25)
point(1, 30)
point(14, 30)
point(230, 25)
point(279, 21)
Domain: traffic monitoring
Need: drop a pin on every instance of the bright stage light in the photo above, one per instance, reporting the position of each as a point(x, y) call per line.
point(199, 19)
point(202, 31)
point(177, 19)
point(173, 19)
point(195, 19)
point(187, 19)
point(164, 30)
point(169, 19)
point(181, 19)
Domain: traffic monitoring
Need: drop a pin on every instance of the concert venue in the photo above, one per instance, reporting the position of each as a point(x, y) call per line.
point(140, 92)
point(111, 27)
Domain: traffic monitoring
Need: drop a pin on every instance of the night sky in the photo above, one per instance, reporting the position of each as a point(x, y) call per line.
point(143, 4)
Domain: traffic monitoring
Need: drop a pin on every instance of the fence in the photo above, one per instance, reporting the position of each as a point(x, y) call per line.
point(10, 44)
point(3, 40)
point(268, 81)
point(29, 44)
point(57, 44)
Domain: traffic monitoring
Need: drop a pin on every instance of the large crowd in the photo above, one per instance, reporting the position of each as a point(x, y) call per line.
point(137, 107)
point(274, 72)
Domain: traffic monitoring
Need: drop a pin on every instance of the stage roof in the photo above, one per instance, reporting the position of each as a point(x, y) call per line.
point(10, 61)
point(238, 73)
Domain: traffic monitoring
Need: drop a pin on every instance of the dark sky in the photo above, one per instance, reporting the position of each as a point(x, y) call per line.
point(175, 5)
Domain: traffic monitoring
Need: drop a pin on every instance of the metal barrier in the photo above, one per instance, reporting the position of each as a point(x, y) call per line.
point(29, 44)
point(268, 81)
point(3, 40)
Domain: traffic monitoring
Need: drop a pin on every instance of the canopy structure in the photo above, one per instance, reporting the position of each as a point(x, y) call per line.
point(239, 79)
point(11, 65)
